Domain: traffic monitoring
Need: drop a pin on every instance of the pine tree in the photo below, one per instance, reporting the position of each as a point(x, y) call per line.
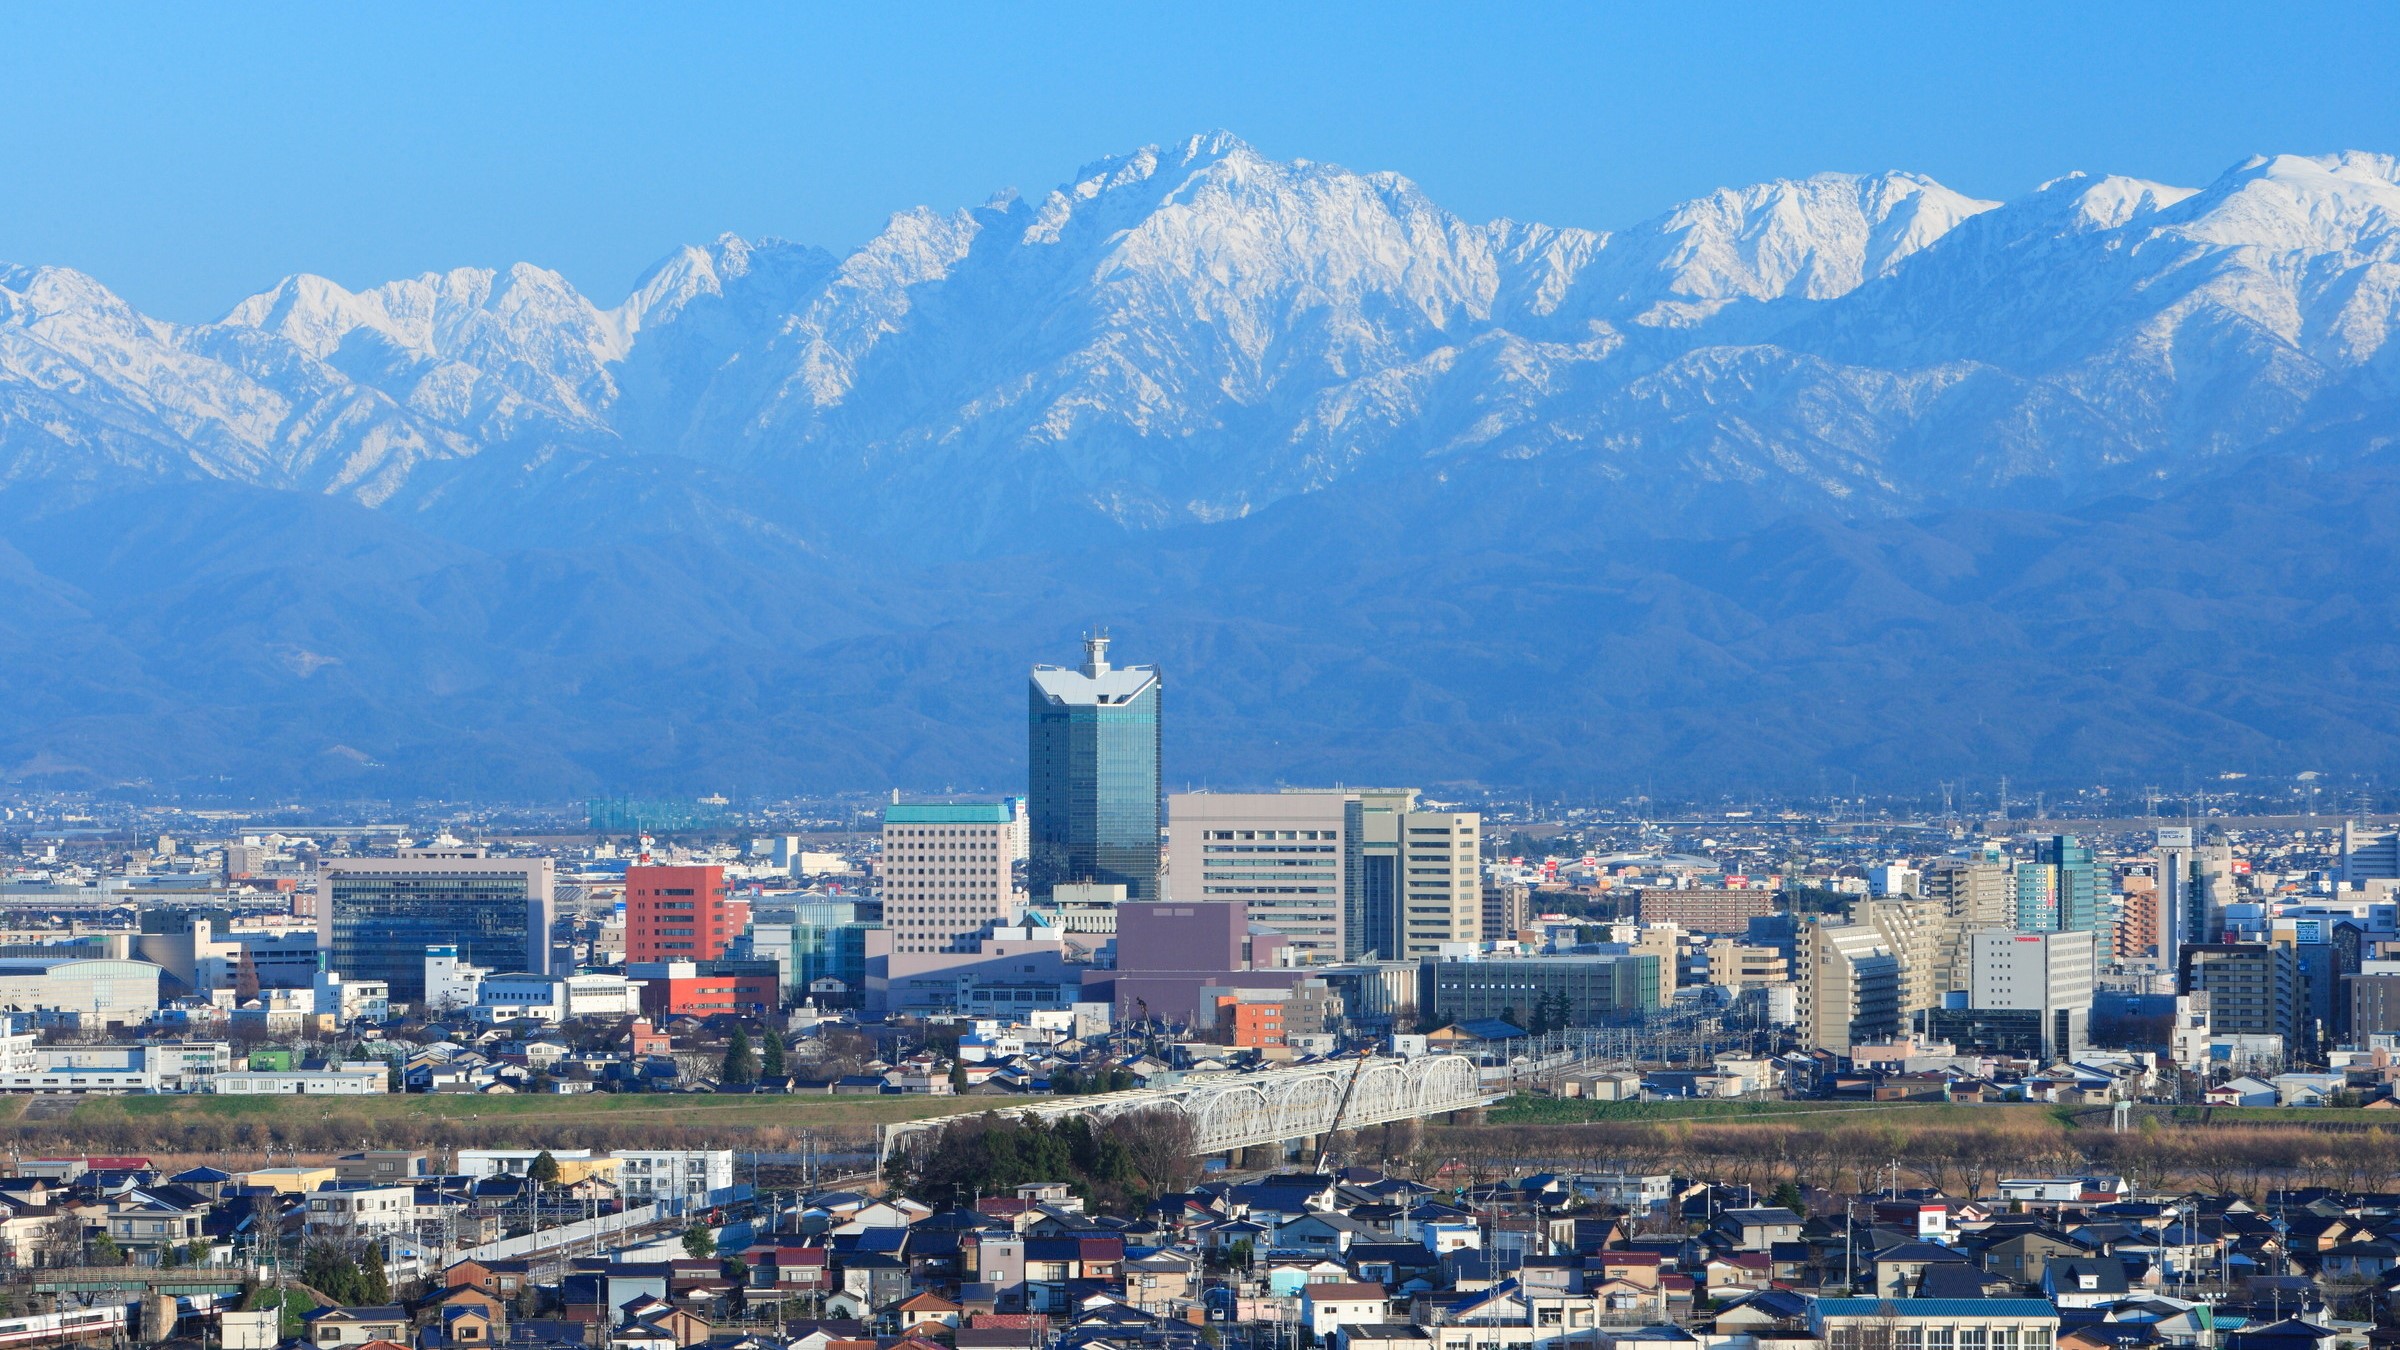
point(741, 1066)
point(374, 1286)
point(324, 1269)
point(543, 1170)
point(771, 1065)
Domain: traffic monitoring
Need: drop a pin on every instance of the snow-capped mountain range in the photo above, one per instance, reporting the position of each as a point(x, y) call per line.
point(1192, 333)
point(1850, 474)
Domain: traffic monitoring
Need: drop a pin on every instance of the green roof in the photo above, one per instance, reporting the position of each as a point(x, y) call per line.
point(948, 813)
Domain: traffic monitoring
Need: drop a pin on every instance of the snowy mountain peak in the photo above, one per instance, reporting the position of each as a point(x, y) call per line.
point(2079, 203)
point(30, 295)
point(2300, 203)
point(1194, 331)
point(1815, 238)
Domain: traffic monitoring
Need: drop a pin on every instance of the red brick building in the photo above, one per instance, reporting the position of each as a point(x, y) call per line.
point(680, 914)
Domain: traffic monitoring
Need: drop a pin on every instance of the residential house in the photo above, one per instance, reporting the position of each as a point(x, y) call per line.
point(353, 1327)
point(2084, 1281)
point(1325, 1308)
point(1755, 1230)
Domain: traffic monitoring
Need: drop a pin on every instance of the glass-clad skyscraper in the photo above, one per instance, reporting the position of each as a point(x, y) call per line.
point(1092, 752)
point(376, 916)
point(2065, 889)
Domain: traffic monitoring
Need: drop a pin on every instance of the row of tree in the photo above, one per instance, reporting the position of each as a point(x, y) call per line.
point(1962, 1151)
point(744, 1065)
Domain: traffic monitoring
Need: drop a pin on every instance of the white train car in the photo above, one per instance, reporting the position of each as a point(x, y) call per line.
point(105, 1322)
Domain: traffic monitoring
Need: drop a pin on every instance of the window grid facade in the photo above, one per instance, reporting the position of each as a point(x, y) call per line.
point(947, 876)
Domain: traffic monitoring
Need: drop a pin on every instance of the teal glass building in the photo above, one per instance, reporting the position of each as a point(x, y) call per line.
point(2065, 889)
point(1092, 737)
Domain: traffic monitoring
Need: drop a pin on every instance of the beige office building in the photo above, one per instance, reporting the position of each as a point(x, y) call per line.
point(1283, 856)
point(1414, 878)
point(1441, 875)
point(947, 875)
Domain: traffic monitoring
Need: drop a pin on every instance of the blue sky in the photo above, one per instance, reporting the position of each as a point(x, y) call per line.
point(189, 155)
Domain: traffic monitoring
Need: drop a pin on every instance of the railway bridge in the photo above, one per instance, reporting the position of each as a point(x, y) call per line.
point(1235, 1110)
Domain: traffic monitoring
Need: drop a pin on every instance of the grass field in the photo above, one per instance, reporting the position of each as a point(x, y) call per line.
point(242, 1126)
point(2350, 1116)
point(596, 1107)
point(1524, 1110)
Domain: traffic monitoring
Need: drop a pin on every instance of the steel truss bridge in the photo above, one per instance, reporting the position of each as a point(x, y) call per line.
point(1230, 1111)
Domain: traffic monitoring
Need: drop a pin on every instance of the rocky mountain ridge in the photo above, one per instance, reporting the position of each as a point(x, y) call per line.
point(1849, 472)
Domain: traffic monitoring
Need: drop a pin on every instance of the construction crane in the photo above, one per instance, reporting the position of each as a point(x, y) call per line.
point(1341, 1107)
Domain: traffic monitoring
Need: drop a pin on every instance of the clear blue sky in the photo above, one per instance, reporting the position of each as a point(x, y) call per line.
point(188, 155)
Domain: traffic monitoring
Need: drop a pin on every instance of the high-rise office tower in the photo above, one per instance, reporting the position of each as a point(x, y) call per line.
point(2064, 889)
point(1371, 910)
point(1441, 868)
point(1285, 857)
point(2047, 978)
point(680, 914)
point(1092, 766)
point(376, 916)
point(2174, 862)
point(1412, 881)
point(947, 881)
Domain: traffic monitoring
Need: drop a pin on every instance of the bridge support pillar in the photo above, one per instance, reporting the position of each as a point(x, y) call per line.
point(158, 1318)
point(1259, 1157)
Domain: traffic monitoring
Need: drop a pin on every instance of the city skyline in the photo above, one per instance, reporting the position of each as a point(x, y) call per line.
point(1362, 677)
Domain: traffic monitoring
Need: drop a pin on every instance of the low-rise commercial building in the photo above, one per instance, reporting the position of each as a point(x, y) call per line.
point(92, 994)
point(356, 1078)
point(1881, 1323)
point(555, 998)
point(1591, 990)
point(170, 1066)
point(706, 988)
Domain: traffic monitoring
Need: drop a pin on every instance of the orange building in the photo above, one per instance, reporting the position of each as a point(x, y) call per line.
point(2138, 925)
point(680, 914)
point(1253, 1025)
